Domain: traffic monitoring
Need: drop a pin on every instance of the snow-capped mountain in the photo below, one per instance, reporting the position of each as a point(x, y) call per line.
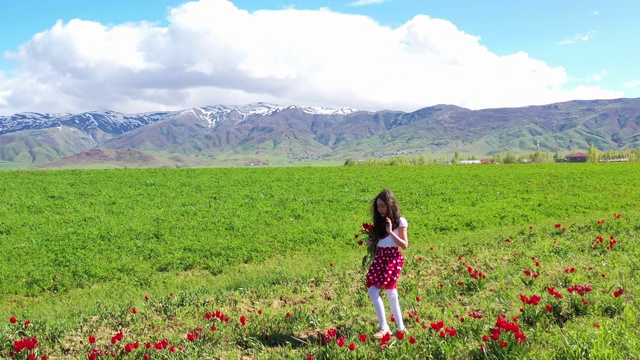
point(214, 114)
point(265, 131)
point(107, 121)
point(117, 123)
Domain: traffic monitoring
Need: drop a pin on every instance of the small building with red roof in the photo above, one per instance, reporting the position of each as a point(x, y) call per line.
point(577, 157)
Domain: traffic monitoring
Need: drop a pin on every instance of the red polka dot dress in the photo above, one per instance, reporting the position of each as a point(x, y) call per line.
point(387, 263)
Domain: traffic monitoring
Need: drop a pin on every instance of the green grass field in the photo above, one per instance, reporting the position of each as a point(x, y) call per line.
point(167, 254)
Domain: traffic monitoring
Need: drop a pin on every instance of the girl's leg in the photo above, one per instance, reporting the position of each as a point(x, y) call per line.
point(378, 305)
point(394, 304)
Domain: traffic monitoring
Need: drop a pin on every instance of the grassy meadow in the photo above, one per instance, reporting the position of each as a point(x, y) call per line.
point(528, 261)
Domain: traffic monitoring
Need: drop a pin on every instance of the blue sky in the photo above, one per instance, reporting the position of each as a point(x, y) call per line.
point(146, 55)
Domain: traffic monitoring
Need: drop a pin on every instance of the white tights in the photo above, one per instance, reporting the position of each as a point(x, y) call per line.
point(394, 304)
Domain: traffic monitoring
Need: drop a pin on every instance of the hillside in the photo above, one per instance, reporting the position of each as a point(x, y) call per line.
point(232, 135)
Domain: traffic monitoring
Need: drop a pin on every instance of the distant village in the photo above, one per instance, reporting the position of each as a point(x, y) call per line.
point(569, 158)
point(591, 156)
point(415, 157)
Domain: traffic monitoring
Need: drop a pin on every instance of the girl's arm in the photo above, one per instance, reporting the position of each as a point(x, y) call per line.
point(401, 238)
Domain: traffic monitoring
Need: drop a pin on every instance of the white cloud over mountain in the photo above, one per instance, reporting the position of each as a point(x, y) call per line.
point(211, 52)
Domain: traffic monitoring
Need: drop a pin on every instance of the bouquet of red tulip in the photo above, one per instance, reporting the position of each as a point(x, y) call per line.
point(367, 230)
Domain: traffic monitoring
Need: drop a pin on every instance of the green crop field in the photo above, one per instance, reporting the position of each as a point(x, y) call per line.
point(505, 262)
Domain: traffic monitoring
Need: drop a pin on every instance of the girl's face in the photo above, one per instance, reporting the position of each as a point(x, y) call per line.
point(382, 207)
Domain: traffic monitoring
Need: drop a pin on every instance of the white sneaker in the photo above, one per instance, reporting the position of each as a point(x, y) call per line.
point(381, 333)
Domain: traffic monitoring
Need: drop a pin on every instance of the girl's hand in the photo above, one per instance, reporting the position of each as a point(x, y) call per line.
point(389, 226)
point(369, 242)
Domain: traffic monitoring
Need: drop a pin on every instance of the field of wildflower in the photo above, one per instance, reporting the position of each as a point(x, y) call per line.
point(504, 262)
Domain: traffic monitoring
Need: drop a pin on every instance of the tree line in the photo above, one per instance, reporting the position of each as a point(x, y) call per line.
point(593, 155)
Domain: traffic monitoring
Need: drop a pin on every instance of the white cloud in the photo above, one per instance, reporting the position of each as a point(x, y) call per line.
point(632, 84)
point(214, 53)
point(579, 37)
point(596, 77)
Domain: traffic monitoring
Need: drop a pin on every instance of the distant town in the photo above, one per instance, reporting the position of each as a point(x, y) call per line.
point(592, 155)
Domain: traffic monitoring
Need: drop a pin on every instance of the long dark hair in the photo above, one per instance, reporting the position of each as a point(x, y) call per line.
point(393, 212)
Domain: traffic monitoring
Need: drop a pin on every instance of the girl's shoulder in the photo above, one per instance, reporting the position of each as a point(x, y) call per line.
point(402, 222)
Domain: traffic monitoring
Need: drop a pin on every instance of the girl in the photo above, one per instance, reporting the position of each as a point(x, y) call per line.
point(389, 234)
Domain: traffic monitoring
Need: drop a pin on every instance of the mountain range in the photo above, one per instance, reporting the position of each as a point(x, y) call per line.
point(262, 133)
